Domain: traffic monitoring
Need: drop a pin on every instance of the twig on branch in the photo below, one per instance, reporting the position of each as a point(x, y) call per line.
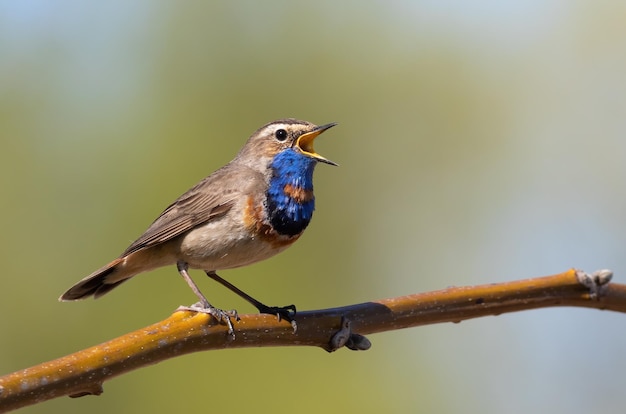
point(85, 371)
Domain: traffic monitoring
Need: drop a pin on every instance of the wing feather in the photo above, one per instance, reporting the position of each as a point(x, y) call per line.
point(210, 198)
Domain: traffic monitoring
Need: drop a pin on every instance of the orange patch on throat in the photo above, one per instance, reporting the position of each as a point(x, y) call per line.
point(254, 220)
point(252, 215)
point(298, 193)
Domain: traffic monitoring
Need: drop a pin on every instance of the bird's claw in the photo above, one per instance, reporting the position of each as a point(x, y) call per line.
point(222, 316)
point(281, 312)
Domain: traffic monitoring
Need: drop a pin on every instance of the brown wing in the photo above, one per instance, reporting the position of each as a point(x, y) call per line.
point(210, 198)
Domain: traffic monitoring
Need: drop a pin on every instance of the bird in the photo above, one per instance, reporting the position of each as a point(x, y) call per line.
point(251, 209)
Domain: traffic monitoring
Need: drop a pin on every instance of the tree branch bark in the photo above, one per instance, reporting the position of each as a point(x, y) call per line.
point(85, 371)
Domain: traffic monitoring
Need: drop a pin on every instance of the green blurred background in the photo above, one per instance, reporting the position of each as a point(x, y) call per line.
point(479, 142)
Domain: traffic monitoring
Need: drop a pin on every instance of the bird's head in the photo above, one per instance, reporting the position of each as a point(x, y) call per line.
point(280, 136)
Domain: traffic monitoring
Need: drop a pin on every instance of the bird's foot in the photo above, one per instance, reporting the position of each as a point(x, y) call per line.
point(220, 315)
point(281, 312)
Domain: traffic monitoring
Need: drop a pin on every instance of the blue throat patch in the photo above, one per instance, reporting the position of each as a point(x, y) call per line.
point(292, 173)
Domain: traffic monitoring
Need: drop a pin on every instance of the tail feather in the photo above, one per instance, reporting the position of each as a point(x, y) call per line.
point(96, 284)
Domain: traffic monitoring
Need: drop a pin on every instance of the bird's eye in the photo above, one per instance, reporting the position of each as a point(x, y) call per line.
point(281, 135)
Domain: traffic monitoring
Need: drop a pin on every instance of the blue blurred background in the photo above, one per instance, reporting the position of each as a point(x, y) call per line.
point(479, 142)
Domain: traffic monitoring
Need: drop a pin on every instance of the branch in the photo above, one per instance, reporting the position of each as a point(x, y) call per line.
point(85, 371)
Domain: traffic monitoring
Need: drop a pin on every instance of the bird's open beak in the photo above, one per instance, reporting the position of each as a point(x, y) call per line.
point(305, 143)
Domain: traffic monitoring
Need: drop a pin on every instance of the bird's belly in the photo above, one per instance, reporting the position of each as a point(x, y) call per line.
point(220, 245)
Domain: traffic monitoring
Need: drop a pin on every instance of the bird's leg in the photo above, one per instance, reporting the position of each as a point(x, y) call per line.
point(204, 306)
point(282, 312)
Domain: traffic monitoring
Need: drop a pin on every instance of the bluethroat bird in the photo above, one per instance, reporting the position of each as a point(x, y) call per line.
point(252, 208)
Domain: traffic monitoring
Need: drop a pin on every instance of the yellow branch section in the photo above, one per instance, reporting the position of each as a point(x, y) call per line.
point(85, 371)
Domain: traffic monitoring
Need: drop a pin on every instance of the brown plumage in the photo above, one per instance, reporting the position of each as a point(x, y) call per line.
point(223, 221)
